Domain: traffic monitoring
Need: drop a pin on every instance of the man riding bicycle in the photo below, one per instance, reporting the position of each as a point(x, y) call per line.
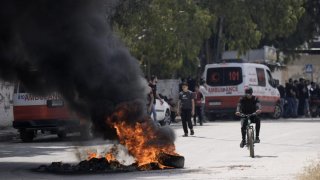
point(249, 104)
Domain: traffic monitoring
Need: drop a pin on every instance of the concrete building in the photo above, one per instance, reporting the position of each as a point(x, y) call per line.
point(305, 66)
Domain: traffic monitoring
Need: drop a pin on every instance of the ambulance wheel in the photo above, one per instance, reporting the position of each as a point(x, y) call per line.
point(314, 111)
point(26, 136)
point(277, 112)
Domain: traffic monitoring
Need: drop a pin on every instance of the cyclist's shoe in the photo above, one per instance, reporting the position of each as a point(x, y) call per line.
point(257, 140)
point(243, 142)
point(192, 132)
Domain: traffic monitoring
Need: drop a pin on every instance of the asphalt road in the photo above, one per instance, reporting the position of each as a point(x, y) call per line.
point(286, 147)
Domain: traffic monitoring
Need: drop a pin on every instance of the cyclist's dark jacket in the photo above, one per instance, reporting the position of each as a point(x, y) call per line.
point(248, 106)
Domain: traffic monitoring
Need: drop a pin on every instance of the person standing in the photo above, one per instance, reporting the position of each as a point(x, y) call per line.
point(296, 97)
point(290, 98)
point(186, 109)
point(203, 91)
point(153, 85)
point(150, 100)
point(282, 92)
point(198, 106)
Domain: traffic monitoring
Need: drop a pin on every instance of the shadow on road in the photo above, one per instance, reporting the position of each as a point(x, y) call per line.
point(258, 156)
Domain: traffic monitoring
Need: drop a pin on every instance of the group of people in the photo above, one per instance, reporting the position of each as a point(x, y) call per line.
point(295, 97)
point(191, 104)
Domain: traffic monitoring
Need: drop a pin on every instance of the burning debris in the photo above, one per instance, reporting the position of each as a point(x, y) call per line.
point(107, 163)
point(151, 146)
point(94, 165)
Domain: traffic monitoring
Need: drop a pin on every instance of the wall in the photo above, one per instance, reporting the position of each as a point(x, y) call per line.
point(169, 88)
point(296, 68)
point(6, 107)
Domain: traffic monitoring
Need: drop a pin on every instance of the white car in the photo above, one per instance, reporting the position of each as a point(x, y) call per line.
point(163, 112)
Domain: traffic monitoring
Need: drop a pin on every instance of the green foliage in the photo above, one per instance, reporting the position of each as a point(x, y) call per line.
point(247, 22)
point(166, 34)
point(307, 28)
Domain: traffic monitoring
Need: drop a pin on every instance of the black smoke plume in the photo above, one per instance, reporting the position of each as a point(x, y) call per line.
point(67, 46)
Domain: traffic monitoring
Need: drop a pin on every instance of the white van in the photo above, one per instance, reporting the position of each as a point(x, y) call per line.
point(226, 82)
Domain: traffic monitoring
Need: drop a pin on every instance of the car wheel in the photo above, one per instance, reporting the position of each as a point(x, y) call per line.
point(277, 112)
point(167, 118)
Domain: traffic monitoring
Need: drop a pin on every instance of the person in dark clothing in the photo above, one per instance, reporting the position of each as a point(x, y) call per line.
point(290, 98)
point(296, 97)
point(249, 104)
point(153, 85)
point(150, 100)
point(186, 108)
point(314, 91)
point(303, 95)
point(198, 106)
point(282, 92)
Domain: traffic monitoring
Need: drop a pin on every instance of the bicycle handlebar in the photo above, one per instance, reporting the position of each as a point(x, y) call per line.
point(247, 115)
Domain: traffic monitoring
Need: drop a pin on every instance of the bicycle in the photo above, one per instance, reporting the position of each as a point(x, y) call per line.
point(250, 132)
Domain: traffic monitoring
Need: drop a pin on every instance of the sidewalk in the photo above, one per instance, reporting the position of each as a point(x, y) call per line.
point(8, 134)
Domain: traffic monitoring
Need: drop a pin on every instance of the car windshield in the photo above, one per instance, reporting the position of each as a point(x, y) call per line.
point(224, 76)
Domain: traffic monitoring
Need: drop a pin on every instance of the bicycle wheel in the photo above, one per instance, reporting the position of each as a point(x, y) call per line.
point(250, 142)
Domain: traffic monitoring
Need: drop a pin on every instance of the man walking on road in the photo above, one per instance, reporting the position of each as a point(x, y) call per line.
point(186, 109)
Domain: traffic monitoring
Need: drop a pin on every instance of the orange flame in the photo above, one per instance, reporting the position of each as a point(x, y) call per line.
point(91, 155)
point(141, 139)
point(110, 157)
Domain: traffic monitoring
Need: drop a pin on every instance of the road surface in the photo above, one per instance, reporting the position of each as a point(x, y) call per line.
point(286, 147)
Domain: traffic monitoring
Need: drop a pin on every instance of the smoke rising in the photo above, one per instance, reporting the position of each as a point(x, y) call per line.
point(68, 46)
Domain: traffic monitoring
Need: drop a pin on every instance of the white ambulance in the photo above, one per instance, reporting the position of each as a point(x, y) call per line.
point(225, 83)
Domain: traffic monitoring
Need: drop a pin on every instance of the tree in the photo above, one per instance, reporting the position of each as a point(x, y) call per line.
point(247, 22)
point(164, 34)
point(168, 35)
point(307, 28)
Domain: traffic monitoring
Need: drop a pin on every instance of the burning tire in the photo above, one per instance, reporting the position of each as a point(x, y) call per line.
point(174, 161)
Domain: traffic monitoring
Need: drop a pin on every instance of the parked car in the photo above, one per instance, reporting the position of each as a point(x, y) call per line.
point(163, 112)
